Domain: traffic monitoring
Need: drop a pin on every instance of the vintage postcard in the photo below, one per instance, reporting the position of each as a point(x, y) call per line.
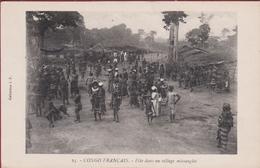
point(130, 84)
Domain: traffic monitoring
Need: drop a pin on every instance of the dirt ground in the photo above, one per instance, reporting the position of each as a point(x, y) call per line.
point(193, 132)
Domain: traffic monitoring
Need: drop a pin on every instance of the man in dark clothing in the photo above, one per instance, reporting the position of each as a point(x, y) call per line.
point(162, 70)
point(64, 91)
point(133, 91)
point(225, 123)
point(74, 85)
point(110, 80)
point(125, 74)
point(149, 109)
point(52, 114)
point(89, 82)
point(98, 69)
point(78, 106)
point(124, 83)
point(116, 99)
point(95, 101)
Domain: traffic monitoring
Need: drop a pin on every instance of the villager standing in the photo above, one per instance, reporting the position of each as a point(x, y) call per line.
point(102, 98)
point(95, 100)
point(225, 123)
point(155, 101)
point(78, 106)
point(172, 100)
point(116, 99)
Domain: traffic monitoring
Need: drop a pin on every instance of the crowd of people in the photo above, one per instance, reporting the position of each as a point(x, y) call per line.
point(145, 83)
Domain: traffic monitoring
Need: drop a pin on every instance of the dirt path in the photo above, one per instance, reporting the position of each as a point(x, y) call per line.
point(194, 131)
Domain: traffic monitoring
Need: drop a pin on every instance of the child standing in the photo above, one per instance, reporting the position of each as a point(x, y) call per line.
point(172, 99)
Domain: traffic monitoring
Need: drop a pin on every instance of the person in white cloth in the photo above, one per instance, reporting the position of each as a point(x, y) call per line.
point(172, 99)
point(155, 101)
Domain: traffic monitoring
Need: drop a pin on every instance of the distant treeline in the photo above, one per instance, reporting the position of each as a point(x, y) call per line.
point(116, 36)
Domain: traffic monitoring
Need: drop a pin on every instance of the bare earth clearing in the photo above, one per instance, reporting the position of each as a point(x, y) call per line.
point(194, 131)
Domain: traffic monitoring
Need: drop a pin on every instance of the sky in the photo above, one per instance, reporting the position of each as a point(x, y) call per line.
point(153, 21)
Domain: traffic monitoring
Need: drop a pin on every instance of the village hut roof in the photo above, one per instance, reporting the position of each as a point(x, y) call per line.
point(129, 48)
point(197, 56)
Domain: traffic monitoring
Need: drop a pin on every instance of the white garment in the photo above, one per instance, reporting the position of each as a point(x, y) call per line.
point(115, 60)
point(155, 102)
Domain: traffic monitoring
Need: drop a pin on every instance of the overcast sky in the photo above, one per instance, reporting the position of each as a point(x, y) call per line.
point(153, 21)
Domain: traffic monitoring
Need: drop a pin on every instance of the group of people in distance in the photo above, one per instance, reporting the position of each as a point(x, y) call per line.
point(138, 82)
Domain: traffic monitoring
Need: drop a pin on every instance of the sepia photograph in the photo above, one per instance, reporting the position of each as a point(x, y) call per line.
point(125, 82)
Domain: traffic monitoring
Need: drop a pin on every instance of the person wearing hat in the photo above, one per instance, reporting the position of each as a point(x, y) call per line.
point(102, 98)
point(134, 74)
point(155, 101)
point(172, 100)
point(163, 90)
point(225, 123)
point(160, 85)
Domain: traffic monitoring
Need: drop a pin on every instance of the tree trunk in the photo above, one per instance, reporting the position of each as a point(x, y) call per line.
point(176, 43)
point(173, 40)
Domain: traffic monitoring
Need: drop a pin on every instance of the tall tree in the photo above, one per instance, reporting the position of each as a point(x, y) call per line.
point(39, 22)
point(198, 36)
point(204, 27)
point(193, 37)
point(204, 33)
point(53, 20)
point(172, 19)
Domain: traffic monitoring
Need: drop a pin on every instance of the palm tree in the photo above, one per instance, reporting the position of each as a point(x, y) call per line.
point(172, 20)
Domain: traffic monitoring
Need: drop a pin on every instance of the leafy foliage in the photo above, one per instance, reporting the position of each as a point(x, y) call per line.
point(193, 37)
point(173, 17)
point(54, 20)
point(118, 35)
point(204, 32)
point(198, 36)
